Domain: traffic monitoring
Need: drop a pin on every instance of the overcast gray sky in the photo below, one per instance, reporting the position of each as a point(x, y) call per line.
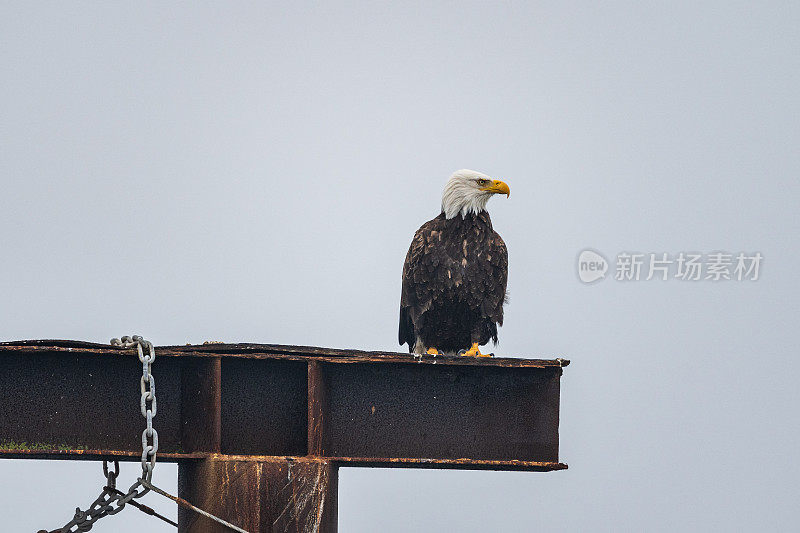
point(250, 172)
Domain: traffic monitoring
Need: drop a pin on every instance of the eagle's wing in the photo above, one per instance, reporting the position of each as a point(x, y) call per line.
point(494, 293)
point(419, 268)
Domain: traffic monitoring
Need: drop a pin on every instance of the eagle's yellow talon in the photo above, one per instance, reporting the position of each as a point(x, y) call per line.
point(433, 351)
point(475, 352)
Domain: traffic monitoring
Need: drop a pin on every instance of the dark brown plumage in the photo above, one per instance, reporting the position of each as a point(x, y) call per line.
point(454, 284)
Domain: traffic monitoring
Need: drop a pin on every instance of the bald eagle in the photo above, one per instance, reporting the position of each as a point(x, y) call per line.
point(455, 273)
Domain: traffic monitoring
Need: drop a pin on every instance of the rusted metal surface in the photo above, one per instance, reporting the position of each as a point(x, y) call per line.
point(317, 409)
point(450, 464)
point(264, 407)
point(395, 410)
point(79, 401)
point(319, 402)
point(279, 351)
point(201, 401)
point(275, 495)
point(42, 451)
point(464, 463)
point(259, 431)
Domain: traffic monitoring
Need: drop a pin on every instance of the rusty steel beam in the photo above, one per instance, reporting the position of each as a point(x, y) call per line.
point(78, 400)
point(259, 431)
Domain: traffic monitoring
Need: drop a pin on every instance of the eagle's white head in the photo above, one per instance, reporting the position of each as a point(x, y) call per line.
point(468, 191)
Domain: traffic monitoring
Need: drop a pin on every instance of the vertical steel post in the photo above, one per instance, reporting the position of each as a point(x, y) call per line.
point(259, 495)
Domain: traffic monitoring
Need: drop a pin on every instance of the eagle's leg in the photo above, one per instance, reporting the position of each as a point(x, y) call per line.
point(475, 351)
point(420, 349)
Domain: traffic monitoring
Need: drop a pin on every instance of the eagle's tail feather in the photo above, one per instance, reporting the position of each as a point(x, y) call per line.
point(405, 332)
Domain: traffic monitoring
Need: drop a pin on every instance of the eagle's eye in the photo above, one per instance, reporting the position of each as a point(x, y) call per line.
point(482, 182)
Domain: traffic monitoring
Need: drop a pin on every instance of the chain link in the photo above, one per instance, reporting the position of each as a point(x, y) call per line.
point(111, 501)
point(147, 403)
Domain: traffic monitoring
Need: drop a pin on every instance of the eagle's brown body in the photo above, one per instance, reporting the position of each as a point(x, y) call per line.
point(454, 284)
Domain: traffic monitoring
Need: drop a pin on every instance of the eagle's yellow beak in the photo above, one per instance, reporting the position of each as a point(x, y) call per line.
point(498, 187)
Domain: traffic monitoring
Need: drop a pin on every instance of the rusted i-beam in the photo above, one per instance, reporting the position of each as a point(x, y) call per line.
point(259, 431)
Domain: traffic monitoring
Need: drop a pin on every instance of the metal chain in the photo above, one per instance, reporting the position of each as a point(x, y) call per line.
point(147, 402)
point(112, 501)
